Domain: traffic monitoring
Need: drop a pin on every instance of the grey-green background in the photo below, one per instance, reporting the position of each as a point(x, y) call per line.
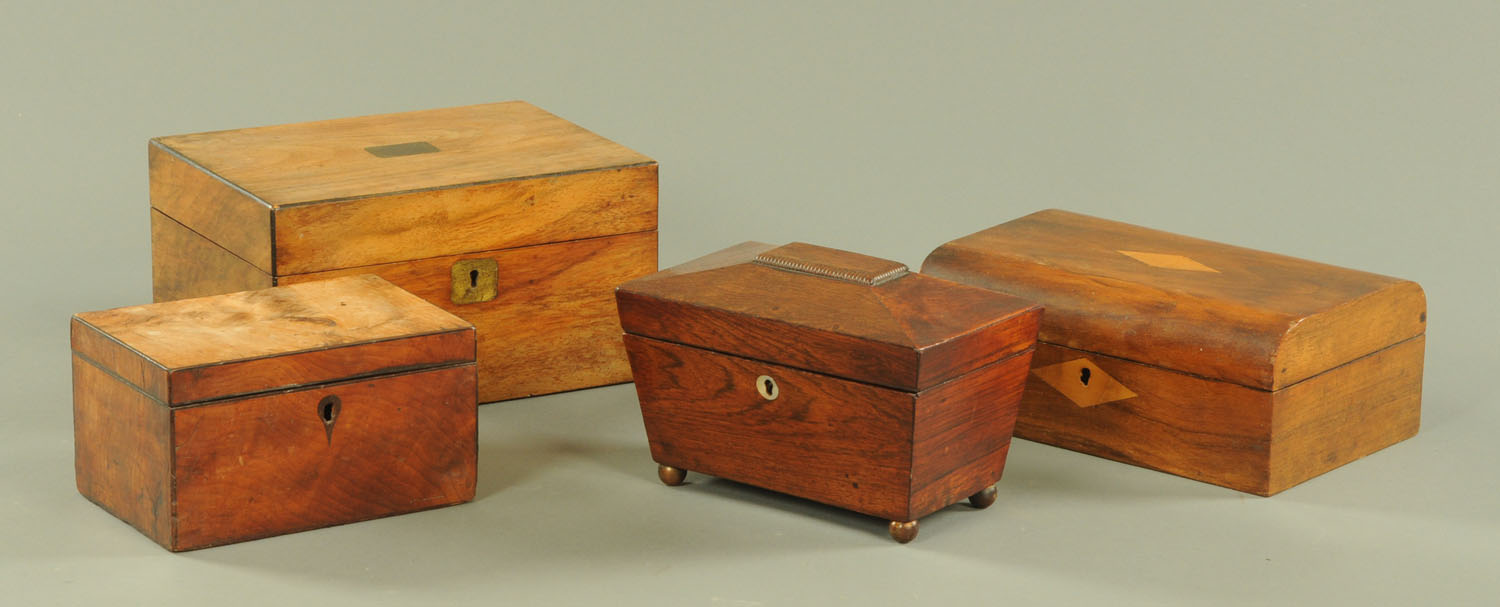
point(1361, 134)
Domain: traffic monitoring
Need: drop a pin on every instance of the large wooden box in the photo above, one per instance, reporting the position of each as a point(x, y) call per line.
point(830, 376)
point(228, 418)
point(510, 217)
point(1236, 367)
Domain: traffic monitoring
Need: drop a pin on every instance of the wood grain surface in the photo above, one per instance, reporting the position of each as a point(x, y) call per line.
point(184, 264)
point(833, 441)
point(910, 333)
point(1347, 413)
point(553, 325)
point(871, 449)
point(268, 322)
point(206, 204)
point(122, 450)
point(1213, 431)
point(327, 160)
point(268, 465)
point(431, 223)
point(1259, 319)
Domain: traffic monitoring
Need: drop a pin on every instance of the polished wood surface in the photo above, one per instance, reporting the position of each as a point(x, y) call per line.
point(908, 333)
point(1236, 367)
point(1258, 319)
point(1203, 429)
point(1310, 422)
point(197, 349)
point(430, 223)
point(122, 450)
point(553, 324)
point(327, 160)
point(229, 216)
point(882, 452)
point(269, 465)
point(184, 264)
point(424, 189)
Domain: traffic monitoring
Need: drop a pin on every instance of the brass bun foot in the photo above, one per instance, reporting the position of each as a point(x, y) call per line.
point(903, 532)
point(670, 476)
point(984, 498)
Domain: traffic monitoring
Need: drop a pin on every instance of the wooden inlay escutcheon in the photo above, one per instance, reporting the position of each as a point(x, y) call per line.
point(1168, 261)
point(1083, 382)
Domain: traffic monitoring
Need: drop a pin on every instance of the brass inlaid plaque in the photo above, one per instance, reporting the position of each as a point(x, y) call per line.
point(475, 281)
point(1168, 261)
point(1083, 382)
point(402, 149)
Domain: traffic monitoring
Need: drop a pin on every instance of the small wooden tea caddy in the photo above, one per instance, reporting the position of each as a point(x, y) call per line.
point(828, 375)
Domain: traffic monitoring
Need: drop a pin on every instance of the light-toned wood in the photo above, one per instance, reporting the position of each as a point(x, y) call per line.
point(1170, 262)
point(119, 359)
point(431, 223)
point(227, 215)
point(184, 264)
point(1083, 382)
point(908, 333)
point(122, 450)
point(326, 160)
point(269, 322)
point(1262, 320)
point(553, 326)
point(1311, 425)
point(267, 465)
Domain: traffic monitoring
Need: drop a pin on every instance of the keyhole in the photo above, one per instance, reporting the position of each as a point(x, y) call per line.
point(1083, 376)
point(766, 387)
point(473, 278)
point(328, 408)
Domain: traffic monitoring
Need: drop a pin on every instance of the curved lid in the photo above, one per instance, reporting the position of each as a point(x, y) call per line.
point(1214, 310)
point(829, 311)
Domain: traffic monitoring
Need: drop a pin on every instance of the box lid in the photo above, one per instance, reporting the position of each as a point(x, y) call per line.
point(1190, 305)
point(193, 350)
point(829, 311)
point(331, 194)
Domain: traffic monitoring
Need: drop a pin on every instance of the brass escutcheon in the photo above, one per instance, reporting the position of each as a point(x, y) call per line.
point(475, 281)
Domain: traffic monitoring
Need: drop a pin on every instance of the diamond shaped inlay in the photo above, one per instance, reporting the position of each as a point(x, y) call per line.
point(1083, 382)
point(1168, 261)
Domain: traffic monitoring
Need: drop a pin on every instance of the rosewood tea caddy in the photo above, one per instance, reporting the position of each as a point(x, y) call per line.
point(827, 375)
point(503, 214)
point(1241, 368)
point(227, 418)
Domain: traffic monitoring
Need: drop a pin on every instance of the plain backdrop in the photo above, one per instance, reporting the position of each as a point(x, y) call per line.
point(1363, 134)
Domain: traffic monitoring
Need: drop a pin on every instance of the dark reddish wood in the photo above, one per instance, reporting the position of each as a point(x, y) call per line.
point(215, 420)
point(962, 434)
point(910, 333)
point(266, 465)
point(775, 366)
point(985, 498)
point(1206, 343)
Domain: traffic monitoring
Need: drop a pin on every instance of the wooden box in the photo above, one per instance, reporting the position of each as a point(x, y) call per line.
point(1231, 366)
point(830, 376)
point(221, 419)
point(503, 214)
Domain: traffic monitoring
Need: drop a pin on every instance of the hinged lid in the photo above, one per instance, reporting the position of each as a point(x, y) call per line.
point(393, 187)
point(829, 311)
point(1218, 311)
point(193, 350)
